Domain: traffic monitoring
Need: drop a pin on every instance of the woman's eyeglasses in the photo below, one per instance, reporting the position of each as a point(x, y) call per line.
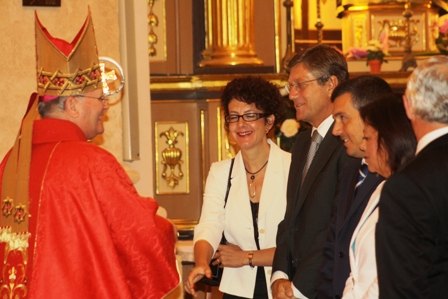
point(251, 116)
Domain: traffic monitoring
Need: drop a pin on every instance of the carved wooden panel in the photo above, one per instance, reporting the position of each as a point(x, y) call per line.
point(184, 200)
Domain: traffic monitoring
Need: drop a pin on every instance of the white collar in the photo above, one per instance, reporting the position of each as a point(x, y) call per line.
point(429, 137)
point(324, 126)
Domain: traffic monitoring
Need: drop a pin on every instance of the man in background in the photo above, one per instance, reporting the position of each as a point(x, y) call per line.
point(412, 230)
point(356, 185)
point(72, 224)
point(317, 160)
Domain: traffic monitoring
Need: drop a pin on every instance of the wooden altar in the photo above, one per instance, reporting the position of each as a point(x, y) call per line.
point(363, 21)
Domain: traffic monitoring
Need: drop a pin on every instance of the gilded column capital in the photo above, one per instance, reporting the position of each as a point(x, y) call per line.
point(229, 34)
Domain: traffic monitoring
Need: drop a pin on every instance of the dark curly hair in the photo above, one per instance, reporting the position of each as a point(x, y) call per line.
point(264, 94)
point(395, 135)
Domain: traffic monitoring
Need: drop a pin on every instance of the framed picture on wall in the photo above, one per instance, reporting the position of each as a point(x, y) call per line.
point(41, 2)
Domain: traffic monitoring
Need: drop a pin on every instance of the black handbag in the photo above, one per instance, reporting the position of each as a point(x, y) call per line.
point(216, 269)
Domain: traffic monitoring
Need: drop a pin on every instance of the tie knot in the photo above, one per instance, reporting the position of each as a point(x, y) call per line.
point(316, 138)
point(364, 169)
point(362, 174)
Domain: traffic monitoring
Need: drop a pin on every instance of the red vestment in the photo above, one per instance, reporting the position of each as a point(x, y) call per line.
point(91, 234)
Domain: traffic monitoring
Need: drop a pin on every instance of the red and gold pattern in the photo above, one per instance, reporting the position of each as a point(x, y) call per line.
point(19, 211)
point(13, 247)
point(7, 206)
point(13, 278)
point(92, 238)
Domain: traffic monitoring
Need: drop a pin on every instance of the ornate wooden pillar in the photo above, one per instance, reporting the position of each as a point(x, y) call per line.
point(229, 34)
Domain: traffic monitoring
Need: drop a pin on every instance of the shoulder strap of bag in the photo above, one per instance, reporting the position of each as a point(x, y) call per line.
point(229, 183)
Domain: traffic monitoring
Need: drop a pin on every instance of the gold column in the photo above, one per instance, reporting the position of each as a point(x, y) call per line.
point(229, 33)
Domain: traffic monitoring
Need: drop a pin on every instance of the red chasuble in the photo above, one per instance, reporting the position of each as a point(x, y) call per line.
point(91, 234)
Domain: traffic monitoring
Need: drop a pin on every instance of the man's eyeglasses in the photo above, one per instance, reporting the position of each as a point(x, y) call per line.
point(251, 116)
point(101, 98)
point(299, 86)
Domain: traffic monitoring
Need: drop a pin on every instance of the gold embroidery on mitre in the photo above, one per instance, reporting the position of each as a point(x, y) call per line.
point(62, 82)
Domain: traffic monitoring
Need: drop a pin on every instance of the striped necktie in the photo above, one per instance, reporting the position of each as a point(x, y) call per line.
point(363, 170)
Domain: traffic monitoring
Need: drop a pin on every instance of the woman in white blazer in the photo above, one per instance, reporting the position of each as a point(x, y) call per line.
point(389, 143)
point(256, 200)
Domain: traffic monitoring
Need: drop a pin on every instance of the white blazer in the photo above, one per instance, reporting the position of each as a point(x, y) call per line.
point(236, 218)
point(363, 280)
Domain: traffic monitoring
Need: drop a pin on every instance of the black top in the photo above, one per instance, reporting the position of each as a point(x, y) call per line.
point(261, 289)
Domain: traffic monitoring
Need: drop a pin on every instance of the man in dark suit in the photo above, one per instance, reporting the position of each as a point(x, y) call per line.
point(412, 230)
point(356, 185)
point(316, 165)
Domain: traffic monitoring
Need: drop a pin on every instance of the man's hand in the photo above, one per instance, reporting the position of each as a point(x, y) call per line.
point(282, 289)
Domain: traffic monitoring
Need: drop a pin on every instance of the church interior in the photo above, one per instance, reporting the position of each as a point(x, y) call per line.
point(168, 127)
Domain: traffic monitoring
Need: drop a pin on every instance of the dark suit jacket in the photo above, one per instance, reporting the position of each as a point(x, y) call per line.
point(349, 208)
point(301, 235)
point(412, 230)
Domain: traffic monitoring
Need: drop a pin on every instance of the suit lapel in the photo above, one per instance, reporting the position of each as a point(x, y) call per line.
point(346, 196)
point(362, 196)
point(365, 190)
point(300, 151)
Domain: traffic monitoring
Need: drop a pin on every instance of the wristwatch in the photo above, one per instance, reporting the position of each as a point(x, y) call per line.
point(250, 257)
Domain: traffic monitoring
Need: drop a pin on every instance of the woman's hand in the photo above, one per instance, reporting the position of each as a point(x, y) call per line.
point(195, 275)
point(231, 255)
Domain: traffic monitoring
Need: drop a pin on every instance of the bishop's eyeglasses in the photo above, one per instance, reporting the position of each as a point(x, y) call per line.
point(103, 98)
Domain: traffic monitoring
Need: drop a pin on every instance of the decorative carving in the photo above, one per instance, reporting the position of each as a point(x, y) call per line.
point(392, 23)
point(396, 30)
point(153, 21)
point(171, 158)
point(408, 57)
point(319, 25)
point(289, 53)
